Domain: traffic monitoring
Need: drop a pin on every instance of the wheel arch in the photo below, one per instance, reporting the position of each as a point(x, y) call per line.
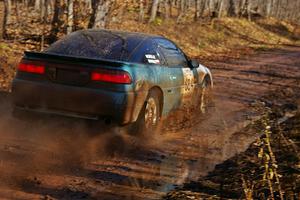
point(209, 79)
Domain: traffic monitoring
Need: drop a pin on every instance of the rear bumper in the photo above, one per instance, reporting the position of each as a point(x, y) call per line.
point(121, 107)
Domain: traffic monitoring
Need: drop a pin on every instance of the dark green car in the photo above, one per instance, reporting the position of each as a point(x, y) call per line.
point(123, 76)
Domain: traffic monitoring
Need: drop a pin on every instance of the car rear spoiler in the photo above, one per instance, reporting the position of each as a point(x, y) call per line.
point(70, 59)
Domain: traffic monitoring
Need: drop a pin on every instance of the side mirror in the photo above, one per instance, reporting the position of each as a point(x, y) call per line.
point(194, 63)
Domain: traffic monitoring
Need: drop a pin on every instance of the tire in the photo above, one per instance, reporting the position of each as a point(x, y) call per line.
point(149, 116)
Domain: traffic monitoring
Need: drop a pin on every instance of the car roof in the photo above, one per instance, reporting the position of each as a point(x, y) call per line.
point(103, 44)
point(124, 34)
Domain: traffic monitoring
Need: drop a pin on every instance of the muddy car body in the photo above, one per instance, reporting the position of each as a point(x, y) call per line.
point(111, 74)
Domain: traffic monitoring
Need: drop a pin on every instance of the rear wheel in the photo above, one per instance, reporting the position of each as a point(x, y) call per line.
point(149, 116)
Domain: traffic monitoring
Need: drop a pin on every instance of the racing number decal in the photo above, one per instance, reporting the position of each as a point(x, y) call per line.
point(188, 81)
point(152, 59)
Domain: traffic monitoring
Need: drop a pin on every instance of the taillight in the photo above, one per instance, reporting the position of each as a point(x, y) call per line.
point(31, 67)
point(112, 76)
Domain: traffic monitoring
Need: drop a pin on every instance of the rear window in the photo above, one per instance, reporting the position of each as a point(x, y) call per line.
point(102, 44)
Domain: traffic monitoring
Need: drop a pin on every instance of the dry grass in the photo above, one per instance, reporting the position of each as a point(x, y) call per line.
point(221, 36)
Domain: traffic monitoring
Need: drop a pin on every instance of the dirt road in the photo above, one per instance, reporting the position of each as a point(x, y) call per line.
point(58, 158)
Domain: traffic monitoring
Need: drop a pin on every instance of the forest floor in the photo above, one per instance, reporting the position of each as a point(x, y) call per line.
point(192, 156)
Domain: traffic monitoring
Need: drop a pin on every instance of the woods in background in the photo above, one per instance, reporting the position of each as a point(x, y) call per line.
point(65, 16)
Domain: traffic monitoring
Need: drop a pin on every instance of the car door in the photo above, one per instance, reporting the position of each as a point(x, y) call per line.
point(154, 72)
point(181, 77)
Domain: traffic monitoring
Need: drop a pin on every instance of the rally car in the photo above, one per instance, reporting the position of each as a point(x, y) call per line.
point(123, 76)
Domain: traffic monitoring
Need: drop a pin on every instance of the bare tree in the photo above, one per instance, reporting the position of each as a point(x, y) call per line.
point(76, 14)
point(56, 23)
point(231, 11)
point(248, 3)
point(268, 7)
point(154, 10)
point(70, 16)
point(142, 11)
point(200, 6)
point(42, 10)
point(37, 4)
point(99, 15)
point(3, 18)
point(220, 10)
point(167, 9)
point(182, 10)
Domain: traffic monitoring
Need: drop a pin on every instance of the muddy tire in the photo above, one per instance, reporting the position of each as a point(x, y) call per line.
point(149, 117)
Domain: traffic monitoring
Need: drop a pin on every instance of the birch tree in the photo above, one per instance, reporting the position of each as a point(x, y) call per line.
point(154, 10)
point(220, 10)
point(37, 4)
point(70, 16)
point(99, 14)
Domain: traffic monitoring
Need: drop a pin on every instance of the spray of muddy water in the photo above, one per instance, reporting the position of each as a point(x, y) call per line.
point(56, 145)
point(50, 144)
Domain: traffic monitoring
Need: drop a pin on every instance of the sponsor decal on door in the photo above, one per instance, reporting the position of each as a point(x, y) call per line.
point(188, 82)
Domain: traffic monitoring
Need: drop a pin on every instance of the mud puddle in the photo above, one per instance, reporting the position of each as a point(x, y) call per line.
point(269, 168)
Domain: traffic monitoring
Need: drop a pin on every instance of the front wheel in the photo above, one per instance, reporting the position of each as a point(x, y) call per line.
point(149, 116)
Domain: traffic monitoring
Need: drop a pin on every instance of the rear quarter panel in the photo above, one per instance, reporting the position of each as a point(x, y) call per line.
point(146, 77)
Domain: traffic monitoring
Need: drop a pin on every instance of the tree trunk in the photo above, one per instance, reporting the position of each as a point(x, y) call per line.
point(70, 16)
point(56, 23)
point(269, 5)
point(3, 18)
point(249, 9)
point(203, 7)
point(8, 11)
point(167, 9)
point(46, 11)
point(231, 12)
point(182, 11)
point(154, 10)
point(94, 4)
point(42, 10)
point(142, 11)
point(76, 20)
point(37, 4)
point(99, 15)
point(197, 9)
point(171, 7)
point(17, 8)
point(220, 8)
point(200, 6)
point(89, 4)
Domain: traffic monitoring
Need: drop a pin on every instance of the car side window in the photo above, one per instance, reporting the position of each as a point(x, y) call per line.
point(147, 53)
point(174, 56)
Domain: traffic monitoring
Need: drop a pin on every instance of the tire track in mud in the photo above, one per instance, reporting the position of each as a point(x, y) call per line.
point(58, 158)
